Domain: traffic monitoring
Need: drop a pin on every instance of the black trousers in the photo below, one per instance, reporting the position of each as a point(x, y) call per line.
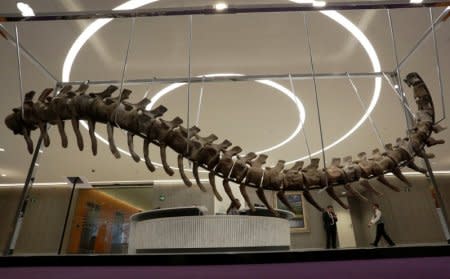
point(331, 236)
point(382, 233)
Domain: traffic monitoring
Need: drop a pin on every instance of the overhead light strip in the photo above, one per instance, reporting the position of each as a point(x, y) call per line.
point(25, 9)
point(96, 25)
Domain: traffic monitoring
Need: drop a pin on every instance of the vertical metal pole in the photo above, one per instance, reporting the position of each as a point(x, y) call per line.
point(67, 217)
point(189, 77)
point(317, 96)
point(438, 67)
point(15, 226)
point(304, 128)
point(409, 120)
point(19, 68)
point(124, 67)
point(440, 201)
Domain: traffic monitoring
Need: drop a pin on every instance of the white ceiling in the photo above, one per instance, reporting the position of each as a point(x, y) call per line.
point(249, 114)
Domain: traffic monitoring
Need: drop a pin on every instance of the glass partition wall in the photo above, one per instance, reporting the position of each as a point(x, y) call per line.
point(294, 85)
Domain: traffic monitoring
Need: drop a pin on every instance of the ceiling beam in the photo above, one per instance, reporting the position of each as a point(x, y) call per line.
point(210, 10)
point(201, 79)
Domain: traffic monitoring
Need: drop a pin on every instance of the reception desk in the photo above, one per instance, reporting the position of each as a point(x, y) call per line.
point(187, 230)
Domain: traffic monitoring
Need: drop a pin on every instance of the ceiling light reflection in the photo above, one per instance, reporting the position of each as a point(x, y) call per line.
point(25, 9)
point(319, 4)
point(221, 6)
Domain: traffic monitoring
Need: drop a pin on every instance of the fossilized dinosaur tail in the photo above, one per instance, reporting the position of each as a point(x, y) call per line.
point(221, 159)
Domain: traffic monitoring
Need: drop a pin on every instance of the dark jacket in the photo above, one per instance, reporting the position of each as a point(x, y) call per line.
point(328, 221)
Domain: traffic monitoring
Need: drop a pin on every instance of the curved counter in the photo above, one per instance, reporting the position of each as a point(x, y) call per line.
point(152, 234)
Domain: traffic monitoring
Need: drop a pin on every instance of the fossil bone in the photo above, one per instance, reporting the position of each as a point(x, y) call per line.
point(218, 158)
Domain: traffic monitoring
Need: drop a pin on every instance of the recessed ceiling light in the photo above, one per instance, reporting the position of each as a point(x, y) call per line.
point(302, 1)
point(3, 174)
point(36, 164)
point(415, 1)
point(313, 2)
point(319, 3)
point(25, 9)
point(2, 149)
point(40, 151)
point(221, 6)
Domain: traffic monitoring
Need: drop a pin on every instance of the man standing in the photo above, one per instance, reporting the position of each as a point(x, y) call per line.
point(377, 219)
point(329, 223)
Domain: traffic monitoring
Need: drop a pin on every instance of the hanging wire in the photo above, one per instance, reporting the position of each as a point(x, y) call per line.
point(200, 102)
point(304, 128)
point(409, 118)
point(363, 106)
point(189, 80)
point(398, 94)
point(315, 91)
point(438, 67)
point(124, 67)
point(19, 70)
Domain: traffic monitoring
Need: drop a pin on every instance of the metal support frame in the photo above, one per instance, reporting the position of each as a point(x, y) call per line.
point(14, 230)
point(438, 66)
point(305, 137)
point(200, 100)
point(202, 79)
point(444, 223)
point(436, 24)
point(409, 118)
point(19, 69)
point(232, 9)
point(13, 40)
point(311, 61)
point(74, 181)
point(189, 81)
point(363, 106)
point(410, 121)
point(124, 67)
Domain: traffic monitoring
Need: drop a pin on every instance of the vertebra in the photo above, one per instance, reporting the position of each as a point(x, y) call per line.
point(219, 159)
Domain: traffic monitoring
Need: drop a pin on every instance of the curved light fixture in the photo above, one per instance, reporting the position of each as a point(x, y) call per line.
point(343, 21)
point(91, 30)
point(277, 86)
point(370, 50)
point(25, 9)
point(170, 88)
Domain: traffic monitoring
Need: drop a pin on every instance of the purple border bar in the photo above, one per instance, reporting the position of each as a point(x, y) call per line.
point(411, 268)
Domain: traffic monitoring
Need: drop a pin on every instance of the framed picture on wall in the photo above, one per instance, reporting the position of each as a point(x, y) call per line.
point(299, 222)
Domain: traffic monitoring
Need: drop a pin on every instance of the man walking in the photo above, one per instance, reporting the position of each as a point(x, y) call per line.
point(377, 219)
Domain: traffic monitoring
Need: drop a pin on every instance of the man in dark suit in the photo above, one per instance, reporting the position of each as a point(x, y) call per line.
point(329, 223)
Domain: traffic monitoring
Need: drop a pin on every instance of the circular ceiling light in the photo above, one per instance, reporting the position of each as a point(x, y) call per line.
point(170, 88)
point(370, 50)
point(337, 17)
point(300, 108)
